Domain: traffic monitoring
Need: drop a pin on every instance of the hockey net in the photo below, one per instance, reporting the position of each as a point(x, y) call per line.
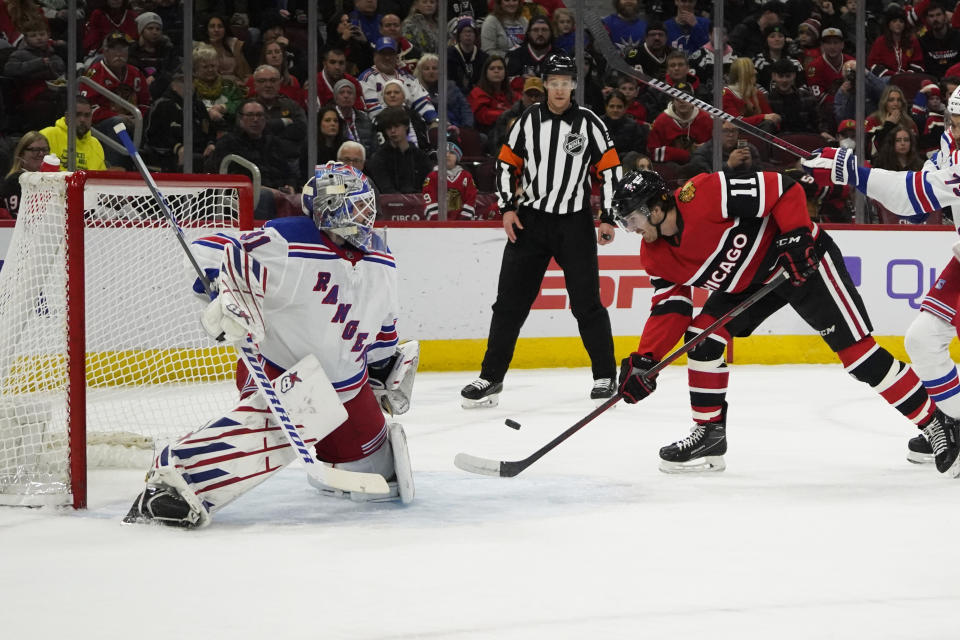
point(101, 353)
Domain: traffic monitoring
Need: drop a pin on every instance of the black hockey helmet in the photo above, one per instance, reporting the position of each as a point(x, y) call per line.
point(639, 191)
point(558, 64)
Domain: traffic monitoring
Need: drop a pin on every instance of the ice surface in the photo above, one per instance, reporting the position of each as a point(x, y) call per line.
point(819, 528)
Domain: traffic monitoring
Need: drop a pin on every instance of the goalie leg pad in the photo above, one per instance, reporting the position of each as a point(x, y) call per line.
point(395, 391)
point(230, 455)
point(380, 461)
point(401, 462)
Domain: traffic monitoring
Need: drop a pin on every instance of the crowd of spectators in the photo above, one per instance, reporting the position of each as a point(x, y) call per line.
point(787, 69)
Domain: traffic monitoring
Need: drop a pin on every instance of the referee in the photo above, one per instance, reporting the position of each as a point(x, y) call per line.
point(543, 189)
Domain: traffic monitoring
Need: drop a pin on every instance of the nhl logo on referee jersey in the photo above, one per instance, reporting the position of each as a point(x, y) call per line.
point(574, 143)
point(687, 192)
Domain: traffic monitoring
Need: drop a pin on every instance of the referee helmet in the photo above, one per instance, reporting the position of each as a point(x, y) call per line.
point(558, 64)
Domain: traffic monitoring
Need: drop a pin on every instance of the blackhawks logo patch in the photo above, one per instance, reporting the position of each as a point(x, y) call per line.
point(687, 192)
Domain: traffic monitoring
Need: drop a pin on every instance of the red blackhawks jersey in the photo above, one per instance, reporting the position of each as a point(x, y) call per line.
point(461, 195)
point(672, 141)
point(726, 244)
point(823, 77)
point(132, 87)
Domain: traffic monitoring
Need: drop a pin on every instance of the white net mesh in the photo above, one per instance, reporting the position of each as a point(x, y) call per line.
point(151, 372)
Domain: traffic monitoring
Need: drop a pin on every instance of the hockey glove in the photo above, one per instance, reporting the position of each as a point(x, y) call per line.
point(633, 386)
point(797, 255)
point(836, 165)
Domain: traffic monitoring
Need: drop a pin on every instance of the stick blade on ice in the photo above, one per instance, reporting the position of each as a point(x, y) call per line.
point(473, 464)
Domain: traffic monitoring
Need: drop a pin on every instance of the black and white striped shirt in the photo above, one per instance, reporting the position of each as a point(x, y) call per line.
point(551, 156)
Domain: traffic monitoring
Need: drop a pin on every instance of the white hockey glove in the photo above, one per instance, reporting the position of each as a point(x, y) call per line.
point(835, 165)
point(237, 311)
point(392, 384)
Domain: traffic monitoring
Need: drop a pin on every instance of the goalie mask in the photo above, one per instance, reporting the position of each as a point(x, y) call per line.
point(341, 200)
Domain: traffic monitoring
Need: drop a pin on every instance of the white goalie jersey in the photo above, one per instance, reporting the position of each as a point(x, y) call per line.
point(337, 303)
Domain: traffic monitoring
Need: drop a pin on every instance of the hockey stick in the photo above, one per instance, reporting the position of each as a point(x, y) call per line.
point(602, 41)
point(337, 478)
point(508, 469)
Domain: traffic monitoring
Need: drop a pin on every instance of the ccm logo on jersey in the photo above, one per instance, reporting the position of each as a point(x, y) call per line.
point(729, 263)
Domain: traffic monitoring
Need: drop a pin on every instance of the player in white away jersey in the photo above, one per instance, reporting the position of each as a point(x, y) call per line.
point(326, 287)
point(914, 194)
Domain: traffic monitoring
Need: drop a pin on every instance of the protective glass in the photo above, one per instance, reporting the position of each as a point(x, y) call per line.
point(560, 83)
point(635, 221)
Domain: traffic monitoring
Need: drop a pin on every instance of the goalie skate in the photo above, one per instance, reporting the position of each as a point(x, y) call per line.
point(701, 451)
point(481, 393)
point(167, 500)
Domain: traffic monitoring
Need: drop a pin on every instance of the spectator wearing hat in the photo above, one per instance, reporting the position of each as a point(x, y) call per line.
point(847, 134)
point(427, 72)
point(824, 74)
point(686, 30)
point(420, 26)
point(492, 95)
point(651, 55)
point(359, 126)
point(742, 97)
point(928, 114)
point(408, 53)
point(464, 58)
point(897, 50)
point(808, 41)
point(796, 105)
point(333, 71)
point(747, 37)
point(397, 166)
point(626, 134)
point(385, 68)
point(503, 30)
point(115, 16)
point(679, 130)
point(941, 42)
point(627, 29)
point(153, 53)
point(525, 61)
point(532, 94)
point(394, 97)
point(774, 50)
point(115, 74)
point(461, 191)
point(350, 39)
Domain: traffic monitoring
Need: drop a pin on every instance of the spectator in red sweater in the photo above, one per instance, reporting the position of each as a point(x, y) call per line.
point(115, 16)
point(897, 50)
point(627, 85)
point(492, 95)
point(743, 99)
point(679, 130)
point(334, 70)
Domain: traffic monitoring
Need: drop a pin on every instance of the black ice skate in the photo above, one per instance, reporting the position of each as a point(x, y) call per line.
point(603, 390)
point(919, 450)
point(943, 433)
point(481, 393)
point(161, 505)
point(702, 450)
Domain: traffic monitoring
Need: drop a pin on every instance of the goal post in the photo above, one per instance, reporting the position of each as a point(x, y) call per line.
point(102, 353)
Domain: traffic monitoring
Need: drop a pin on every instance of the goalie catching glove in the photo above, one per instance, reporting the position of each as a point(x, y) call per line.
point(236, 311)
point(835, 165)
point(392, 379)
point(797, 255)
point(634, 387)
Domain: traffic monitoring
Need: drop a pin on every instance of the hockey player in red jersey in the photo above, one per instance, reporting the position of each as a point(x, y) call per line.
point(461, 191)
point(731, 235)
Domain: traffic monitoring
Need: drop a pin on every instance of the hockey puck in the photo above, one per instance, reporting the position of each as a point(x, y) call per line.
point(513, 424)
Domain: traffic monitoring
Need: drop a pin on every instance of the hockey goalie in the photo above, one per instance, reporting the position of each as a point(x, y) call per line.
point(318, 295)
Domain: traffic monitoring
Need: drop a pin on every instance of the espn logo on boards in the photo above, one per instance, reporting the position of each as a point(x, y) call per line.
point(620, 278)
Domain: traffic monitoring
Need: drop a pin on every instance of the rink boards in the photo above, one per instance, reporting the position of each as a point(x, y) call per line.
point(448, 281)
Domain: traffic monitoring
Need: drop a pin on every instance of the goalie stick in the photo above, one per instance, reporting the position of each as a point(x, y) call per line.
point(508, 469)
point(603, 43)
point(331, 476)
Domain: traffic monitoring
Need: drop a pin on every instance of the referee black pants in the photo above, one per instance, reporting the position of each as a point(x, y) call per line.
point(571, 240)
